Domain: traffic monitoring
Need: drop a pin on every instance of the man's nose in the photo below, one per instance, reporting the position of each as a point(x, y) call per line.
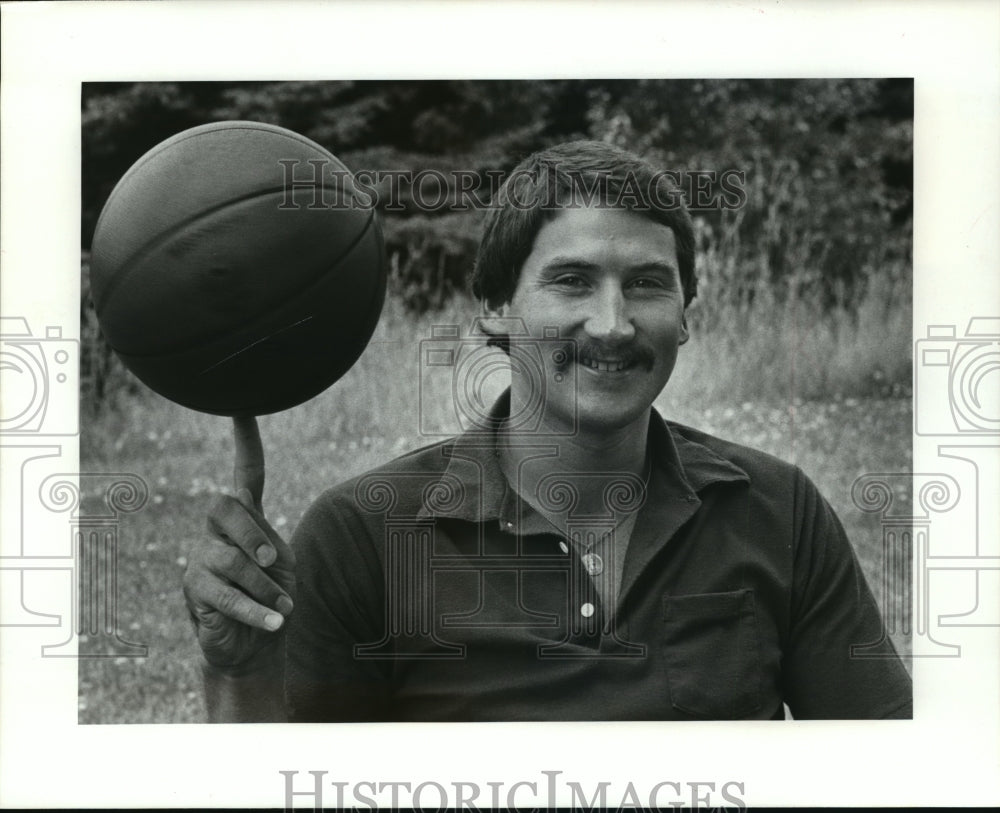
point(608, 319)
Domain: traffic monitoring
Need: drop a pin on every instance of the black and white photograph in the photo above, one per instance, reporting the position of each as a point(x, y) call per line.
point(620, 328)
point(544, 431)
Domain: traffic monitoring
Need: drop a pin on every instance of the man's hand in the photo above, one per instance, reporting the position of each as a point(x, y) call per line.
point(240, 586)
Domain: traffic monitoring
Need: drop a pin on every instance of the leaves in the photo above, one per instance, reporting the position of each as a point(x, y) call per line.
point(827, 168)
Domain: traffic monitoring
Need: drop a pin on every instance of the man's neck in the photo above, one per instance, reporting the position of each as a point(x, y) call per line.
point(605, 457)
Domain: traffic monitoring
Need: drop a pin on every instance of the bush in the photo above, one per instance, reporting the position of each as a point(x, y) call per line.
point(825, 229)
point(430, 257)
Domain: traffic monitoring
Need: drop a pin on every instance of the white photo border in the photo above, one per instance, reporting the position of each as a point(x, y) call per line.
point(949, 753)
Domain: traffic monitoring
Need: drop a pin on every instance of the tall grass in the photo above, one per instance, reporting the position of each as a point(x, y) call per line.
point(746, 375)
point(763, 353)
point(771, 363)
point(768, 351)
point(791, 348)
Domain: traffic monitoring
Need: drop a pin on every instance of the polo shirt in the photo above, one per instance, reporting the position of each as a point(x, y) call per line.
point(428, 590)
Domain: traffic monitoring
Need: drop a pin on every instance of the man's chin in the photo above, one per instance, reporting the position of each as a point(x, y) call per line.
point(604, 418)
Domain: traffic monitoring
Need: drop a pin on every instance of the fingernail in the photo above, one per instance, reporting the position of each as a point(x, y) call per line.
point(285, 605)
point(266, 555)
point(272, 621)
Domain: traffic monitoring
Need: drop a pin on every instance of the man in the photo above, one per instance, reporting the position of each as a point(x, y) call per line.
point(575, 557)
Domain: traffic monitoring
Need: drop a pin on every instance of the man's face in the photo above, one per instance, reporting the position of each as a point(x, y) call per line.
point(608, 280)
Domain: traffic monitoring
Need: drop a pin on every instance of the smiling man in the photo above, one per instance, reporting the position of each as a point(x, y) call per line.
point(593, 562)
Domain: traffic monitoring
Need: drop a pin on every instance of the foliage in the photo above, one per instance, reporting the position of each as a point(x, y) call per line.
point(827, 167)
point(836, 154)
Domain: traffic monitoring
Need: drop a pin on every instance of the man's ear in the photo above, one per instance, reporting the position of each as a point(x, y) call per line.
point(684, 334)
point(493, 321)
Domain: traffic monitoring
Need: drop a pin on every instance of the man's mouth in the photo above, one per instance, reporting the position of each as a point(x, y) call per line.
point(604, 359)
point(606, 366)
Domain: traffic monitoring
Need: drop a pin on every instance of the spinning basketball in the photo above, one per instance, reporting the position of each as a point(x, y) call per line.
point(235, 269)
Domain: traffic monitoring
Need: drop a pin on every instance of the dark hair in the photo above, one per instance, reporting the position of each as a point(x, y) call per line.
point(577, 173)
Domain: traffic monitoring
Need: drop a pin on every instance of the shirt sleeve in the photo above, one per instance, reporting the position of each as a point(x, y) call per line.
point(832, 611)
point(338, 604)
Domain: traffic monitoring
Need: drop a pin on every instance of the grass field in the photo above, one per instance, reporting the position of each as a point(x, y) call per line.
point(828, 392)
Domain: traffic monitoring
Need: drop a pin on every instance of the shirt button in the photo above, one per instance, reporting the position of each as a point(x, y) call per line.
point(592, 562)
point(508, 525)
point(587, 610)
point(563, 548)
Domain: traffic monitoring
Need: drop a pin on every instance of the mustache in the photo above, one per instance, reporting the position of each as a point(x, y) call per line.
point(633, 355)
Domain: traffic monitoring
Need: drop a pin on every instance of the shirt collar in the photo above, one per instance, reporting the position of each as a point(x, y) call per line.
point(683, 466)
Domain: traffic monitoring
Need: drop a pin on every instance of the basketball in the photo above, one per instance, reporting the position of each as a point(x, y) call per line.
point(237, 270)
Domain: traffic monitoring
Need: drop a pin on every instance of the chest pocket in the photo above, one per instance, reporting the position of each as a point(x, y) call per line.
point(713, 654)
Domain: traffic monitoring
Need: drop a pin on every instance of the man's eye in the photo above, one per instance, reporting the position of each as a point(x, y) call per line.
point(570, 281)
point(647, 283)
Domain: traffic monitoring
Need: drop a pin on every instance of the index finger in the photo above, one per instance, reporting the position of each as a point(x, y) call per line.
point(248, 471)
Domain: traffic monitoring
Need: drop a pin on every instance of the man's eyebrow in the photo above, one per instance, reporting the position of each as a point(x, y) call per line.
point(568, 262)
point(557, 263)
point(654, 265)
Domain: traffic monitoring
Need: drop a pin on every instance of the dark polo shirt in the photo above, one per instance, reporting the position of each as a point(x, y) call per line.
point(429, 591)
